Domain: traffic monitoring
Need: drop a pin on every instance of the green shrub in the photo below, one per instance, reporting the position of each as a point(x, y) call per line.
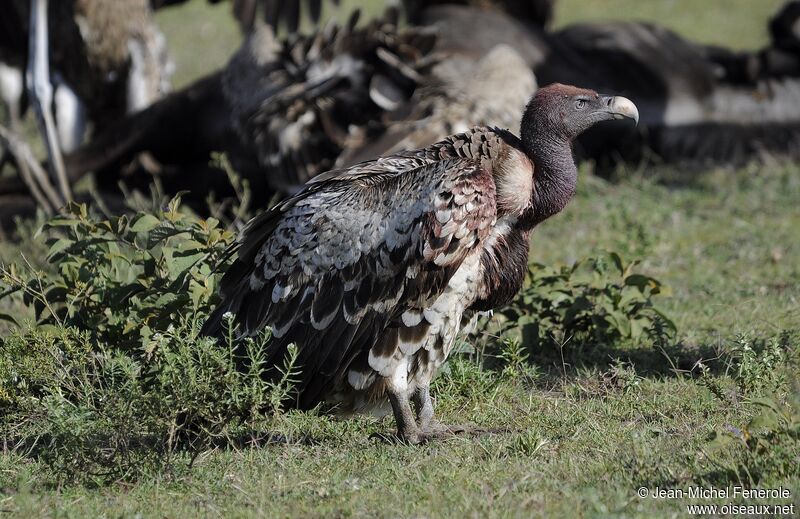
point(113, 380)
point(124, 278)
point(755, 364)
point(95, 413)
point(597, 300)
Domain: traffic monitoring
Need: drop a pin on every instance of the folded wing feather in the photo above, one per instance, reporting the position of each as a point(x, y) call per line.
point(354, 255)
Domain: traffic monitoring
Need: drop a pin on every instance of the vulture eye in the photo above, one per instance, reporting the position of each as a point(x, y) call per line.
point(580, 104)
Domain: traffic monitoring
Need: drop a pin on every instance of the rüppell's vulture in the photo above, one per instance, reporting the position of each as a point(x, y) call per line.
point(372, 270)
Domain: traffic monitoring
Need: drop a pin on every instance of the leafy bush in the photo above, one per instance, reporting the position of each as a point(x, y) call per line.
point(752, 366)
point(124, 278)
point(597, 300)
point(95, 413)
point(113, 379)
point(755, 363)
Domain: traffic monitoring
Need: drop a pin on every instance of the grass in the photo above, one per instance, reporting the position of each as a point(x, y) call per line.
point(572, 455)
point(580, 437)
point(740, 24)
point(582, 430)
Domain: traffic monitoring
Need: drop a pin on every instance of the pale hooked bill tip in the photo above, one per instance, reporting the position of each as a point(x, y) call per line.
point(622, 107)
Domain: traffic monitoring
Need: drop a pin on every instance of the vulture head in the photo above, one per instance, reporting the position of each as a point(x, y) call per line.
point(561, 112)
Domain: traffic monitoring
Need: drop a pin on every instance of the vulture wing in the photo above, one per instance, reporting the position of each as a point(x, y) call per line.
point(275, 12)
point(359, 251)
point(298, 102)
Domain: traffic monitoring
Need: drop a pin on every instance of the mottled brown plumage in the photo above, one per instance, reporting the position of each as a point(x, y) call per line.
point(372, 270)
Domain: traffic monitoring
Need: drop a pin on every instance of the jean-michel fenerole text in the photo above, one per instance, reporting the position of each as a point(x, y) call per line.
point(733, 492)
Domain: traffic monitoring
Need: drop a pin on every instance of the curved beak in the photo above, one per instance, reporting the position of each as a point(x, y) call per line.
point(621, 108)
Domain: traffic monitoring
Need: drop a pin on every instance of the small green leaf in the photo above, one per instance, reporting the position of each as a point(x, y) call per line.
point(61, 222)
point(179, 262)
point(666, 320)
point(639, 281)
point(161, 234)
point(58, 246)
point(617, 260)
point(145, 223)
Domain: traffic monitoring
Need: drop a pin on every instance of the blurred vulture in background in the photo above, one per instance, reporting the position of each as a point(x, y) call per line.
point(287, 108)
point(282, 109)
point(294, 107)
point(298, 103)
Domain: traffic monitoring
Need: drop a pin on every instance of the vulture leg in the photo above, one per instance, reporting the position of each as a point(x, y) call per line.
point(424, 427)
point(41, 91)
point(32, 174)
point(424, 405)
point(407, 429)
point(11, 86)
point(14, 148)
point(430, 428)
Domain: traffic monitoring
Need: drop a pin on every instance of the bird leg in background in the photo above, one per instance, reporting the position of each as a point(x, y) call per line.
point(70, 116)
point(31, 172)
point(11, 86)
point(41, 92)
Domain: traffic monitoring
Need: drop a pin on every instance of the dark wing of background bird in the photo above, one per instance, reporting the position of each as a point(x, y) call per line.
point(335, 265)
point(536, 13)
point(298, 102)
point(783, 27)
point(289, 14)
point(278, 12)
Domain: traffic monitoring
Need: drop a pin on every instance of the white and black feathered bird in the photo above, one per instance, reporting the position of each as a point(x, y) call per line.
point(460, 92)
point(298, 102)
point(372, 270)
